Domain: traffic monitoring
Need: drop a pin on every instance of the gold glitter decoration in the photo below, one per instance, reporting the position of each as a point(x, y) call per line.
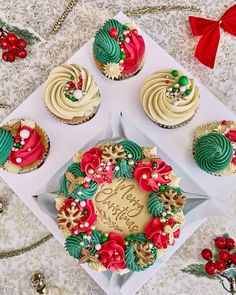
point(113, 153)
point(170, 231)
point(73, 181)
point(112, 70)
point(86, 257)
point(171, 199)
point(143, 253)
point(68, 218)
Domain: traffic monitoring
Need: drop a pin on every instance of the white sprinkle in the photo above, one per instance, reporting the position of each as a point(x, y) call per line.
point(81, 243)
point(93, 227)
point(106, 235)
point(76, 201)
point(29, 149)
point(144, 176)
point(89, 238)
point(73, 204)
point(107, 168)
point(182, 89)
point(76, 232)
point(85, 237)
point(176, 85)
point(86, 224)
point(98, 247)
point(98, 175)
point(78, 94)
point(22, 142)
point(16, 149)
point(18, 160)
point(129, 156)
point(81, 225)
point(90, 171)
point(79, 193)
point(131, 162)
point(121, 61)
point(117, 168)
point(127, 39)
point(87, 179)
point(109, 163)
point(82, 203)
point(24, 133)
point(99, 168)
point(159, 184)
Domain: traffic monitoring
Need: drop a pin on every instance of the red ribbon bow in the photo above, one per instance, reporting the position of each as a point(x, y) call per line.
point(210, 32)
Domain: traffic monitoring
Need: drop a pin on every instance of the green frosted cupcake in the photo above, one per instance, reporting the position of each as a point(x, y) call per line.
point(214, 147)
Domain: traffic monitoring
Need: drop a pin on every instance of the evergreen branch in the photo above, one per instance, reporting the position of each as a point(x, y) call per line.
point(198, 270)
point(29, 37)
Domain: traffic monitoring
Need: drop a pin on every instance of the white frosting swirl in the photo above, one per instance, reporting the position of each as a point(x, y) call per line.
point(159, 105)
point(63, 107)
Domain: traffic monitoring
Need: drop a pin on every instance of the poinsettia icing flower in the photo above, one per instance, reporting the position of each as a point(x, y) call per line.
point(76, 216)
point(231, 135)
point(112, 254)
point(162, 233)
point(150, 175)
point(94, 168)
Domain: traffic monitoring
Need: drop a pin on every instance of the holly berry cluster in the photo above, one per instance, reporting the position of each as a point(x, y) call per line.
point(223, 258)
point(12, 46)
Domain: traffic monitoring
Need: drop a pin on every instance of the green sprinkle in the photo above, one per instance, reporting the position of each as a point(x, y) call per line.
point(72, 77)
point(104, 239)
point(173, 90)
point(154, 164)
point(73, 99)
point(121, 39)
point(125, 27)
point(183, 81)
point(167, 216)
point(187, 91)
point(174, 73)
point(85, 211)
point(122, 55)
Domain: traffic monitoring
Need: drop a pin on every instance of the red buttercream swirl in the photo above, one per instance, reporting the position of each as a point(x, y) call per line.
point(134, 51)
point(83, 217)
point(93, 167)
point(32, 150)
point(112, 254)
point(155, 231)
point(149, 175)
point(231, 135)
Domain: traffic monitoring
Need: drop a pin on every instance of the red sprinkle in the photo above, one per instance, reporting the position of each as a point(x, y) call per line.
point(167, 81)
point(224, 122)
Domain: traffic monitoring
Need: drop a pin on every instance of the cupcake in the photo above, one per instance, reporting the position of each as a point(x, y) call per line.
point(71, 94)
point(23, 146)
point(169, 98)
point(118, 50)
point(214, 147)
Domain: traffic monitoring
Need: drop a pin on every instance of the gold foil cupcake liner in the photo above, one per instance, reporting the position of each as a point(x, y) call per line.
point(9, 166)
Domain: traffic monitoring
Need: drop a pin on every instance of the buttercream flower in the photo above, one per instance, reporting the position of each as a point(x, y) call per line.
point(112, 254)
point(152, 174)
point(76, 216)
point(28, 147)
point(231, 135)
point(162, 233)
point(234, 159)
point(95, 169)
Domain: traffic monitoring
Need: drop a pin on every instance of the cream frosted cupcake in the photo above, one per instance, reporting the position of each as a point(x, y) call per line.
point(24, 146)
point(214, 147)
point(169, 98)
point(71, 94)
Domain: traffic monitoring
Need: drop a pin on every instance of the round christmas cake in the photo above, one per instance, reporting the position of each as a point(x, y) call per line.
point(119, 207)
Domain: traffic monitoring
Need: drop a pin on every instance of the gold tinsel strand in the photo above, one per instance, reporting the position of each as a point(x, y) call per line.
point(4, 106)
point(18, 252)
point(156, 9)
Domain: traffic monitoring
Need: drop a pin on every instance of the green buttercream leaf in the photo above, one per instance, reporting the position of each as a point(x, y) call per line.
point(6, 144)
point(155, 206)
point(125, 170)
point(137, 237)
point(133, 149)
point(96, 239)
point(87, 193)
point(132, 260)
point(213, 152)
point(72, 245)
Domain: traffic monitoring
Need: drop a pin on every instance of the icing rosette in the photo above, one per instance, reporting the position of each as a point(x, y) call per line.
point(169, 98)
point(23, 145)
point(214, 147)
point(119, 207)
point(71, 94)
point(118, 50)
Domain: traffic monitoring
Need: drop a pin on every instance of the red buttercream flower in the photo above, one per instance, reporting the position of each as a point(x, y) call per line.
point(112, 254)
point(155, 231)
point(76, 216)
point(31, 148)
point(231, 135)
point(134, 51)
point(149, 175)
point(95, 169)
point(234, 159)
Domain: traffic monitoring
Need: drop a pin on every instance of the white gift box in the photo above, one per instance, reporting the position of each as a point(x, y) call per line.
point(174, 146)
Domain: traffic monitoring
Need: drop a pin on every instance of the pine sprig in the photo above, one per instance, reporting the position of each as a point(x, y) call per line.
point(29, 37)
point(198, 270)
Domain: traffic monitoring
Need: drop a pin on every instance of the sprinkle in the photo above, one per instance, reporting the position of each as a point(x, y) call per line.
point(127, 39)
point(73, 204)
point(107, 168)
point(86, 224)
point(109, 163)
point(79, 193)
point(144, 176)
point(76, 232)
point(98, 247)
point(24, 133)
point(117, 168)
point(106, 235)
point(129, 156)
point(29, 149)
point(81, 243)
point(90, 171)
point(82, 203)
point(81, 225)
point(93, 227)
point(18, 160)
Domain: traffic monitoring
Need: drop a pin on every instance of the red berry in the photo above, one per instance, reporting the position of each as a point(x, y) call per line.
point(8, 56)
point(206, 254)
point(12, 38)
point(4, 43)
point(85, 184)
point(224, 255)
point(233, 258)
point(220, 242)
point(230, 243)
point(220, 264)
point(21, 43)
point(89, 232)
point(22, 53)
point(224, 122)
point(113, 32)
point(12, 47)
point(210, 268)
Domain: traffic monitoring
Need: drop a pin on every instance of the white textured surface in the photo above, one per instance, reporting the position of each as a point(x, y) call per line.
point(18, 226)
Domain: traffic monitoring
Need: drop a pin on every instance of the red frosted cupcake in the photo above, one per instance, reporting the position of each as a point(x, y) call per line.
point(23, 146)
point(118, 50)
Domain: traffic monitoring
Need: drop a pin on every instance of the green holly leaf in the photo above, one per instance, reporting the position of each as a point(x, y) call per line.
point(198, 270)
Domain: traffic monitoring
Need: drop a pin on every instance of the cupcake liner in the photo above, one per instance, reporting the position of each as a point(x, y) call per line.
point(10, 167)
point(227, 171)
point(123, 76)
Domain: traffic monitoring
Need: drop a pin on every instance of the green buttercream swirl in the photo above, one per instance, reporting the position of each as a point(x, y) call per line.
point(105, 48)
point(125, 170)
point(6, 144)
point(155, 206)
point(87, 193)
point(72, 245)
point(213, 152)
point(130, 257)
point(132, 148)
